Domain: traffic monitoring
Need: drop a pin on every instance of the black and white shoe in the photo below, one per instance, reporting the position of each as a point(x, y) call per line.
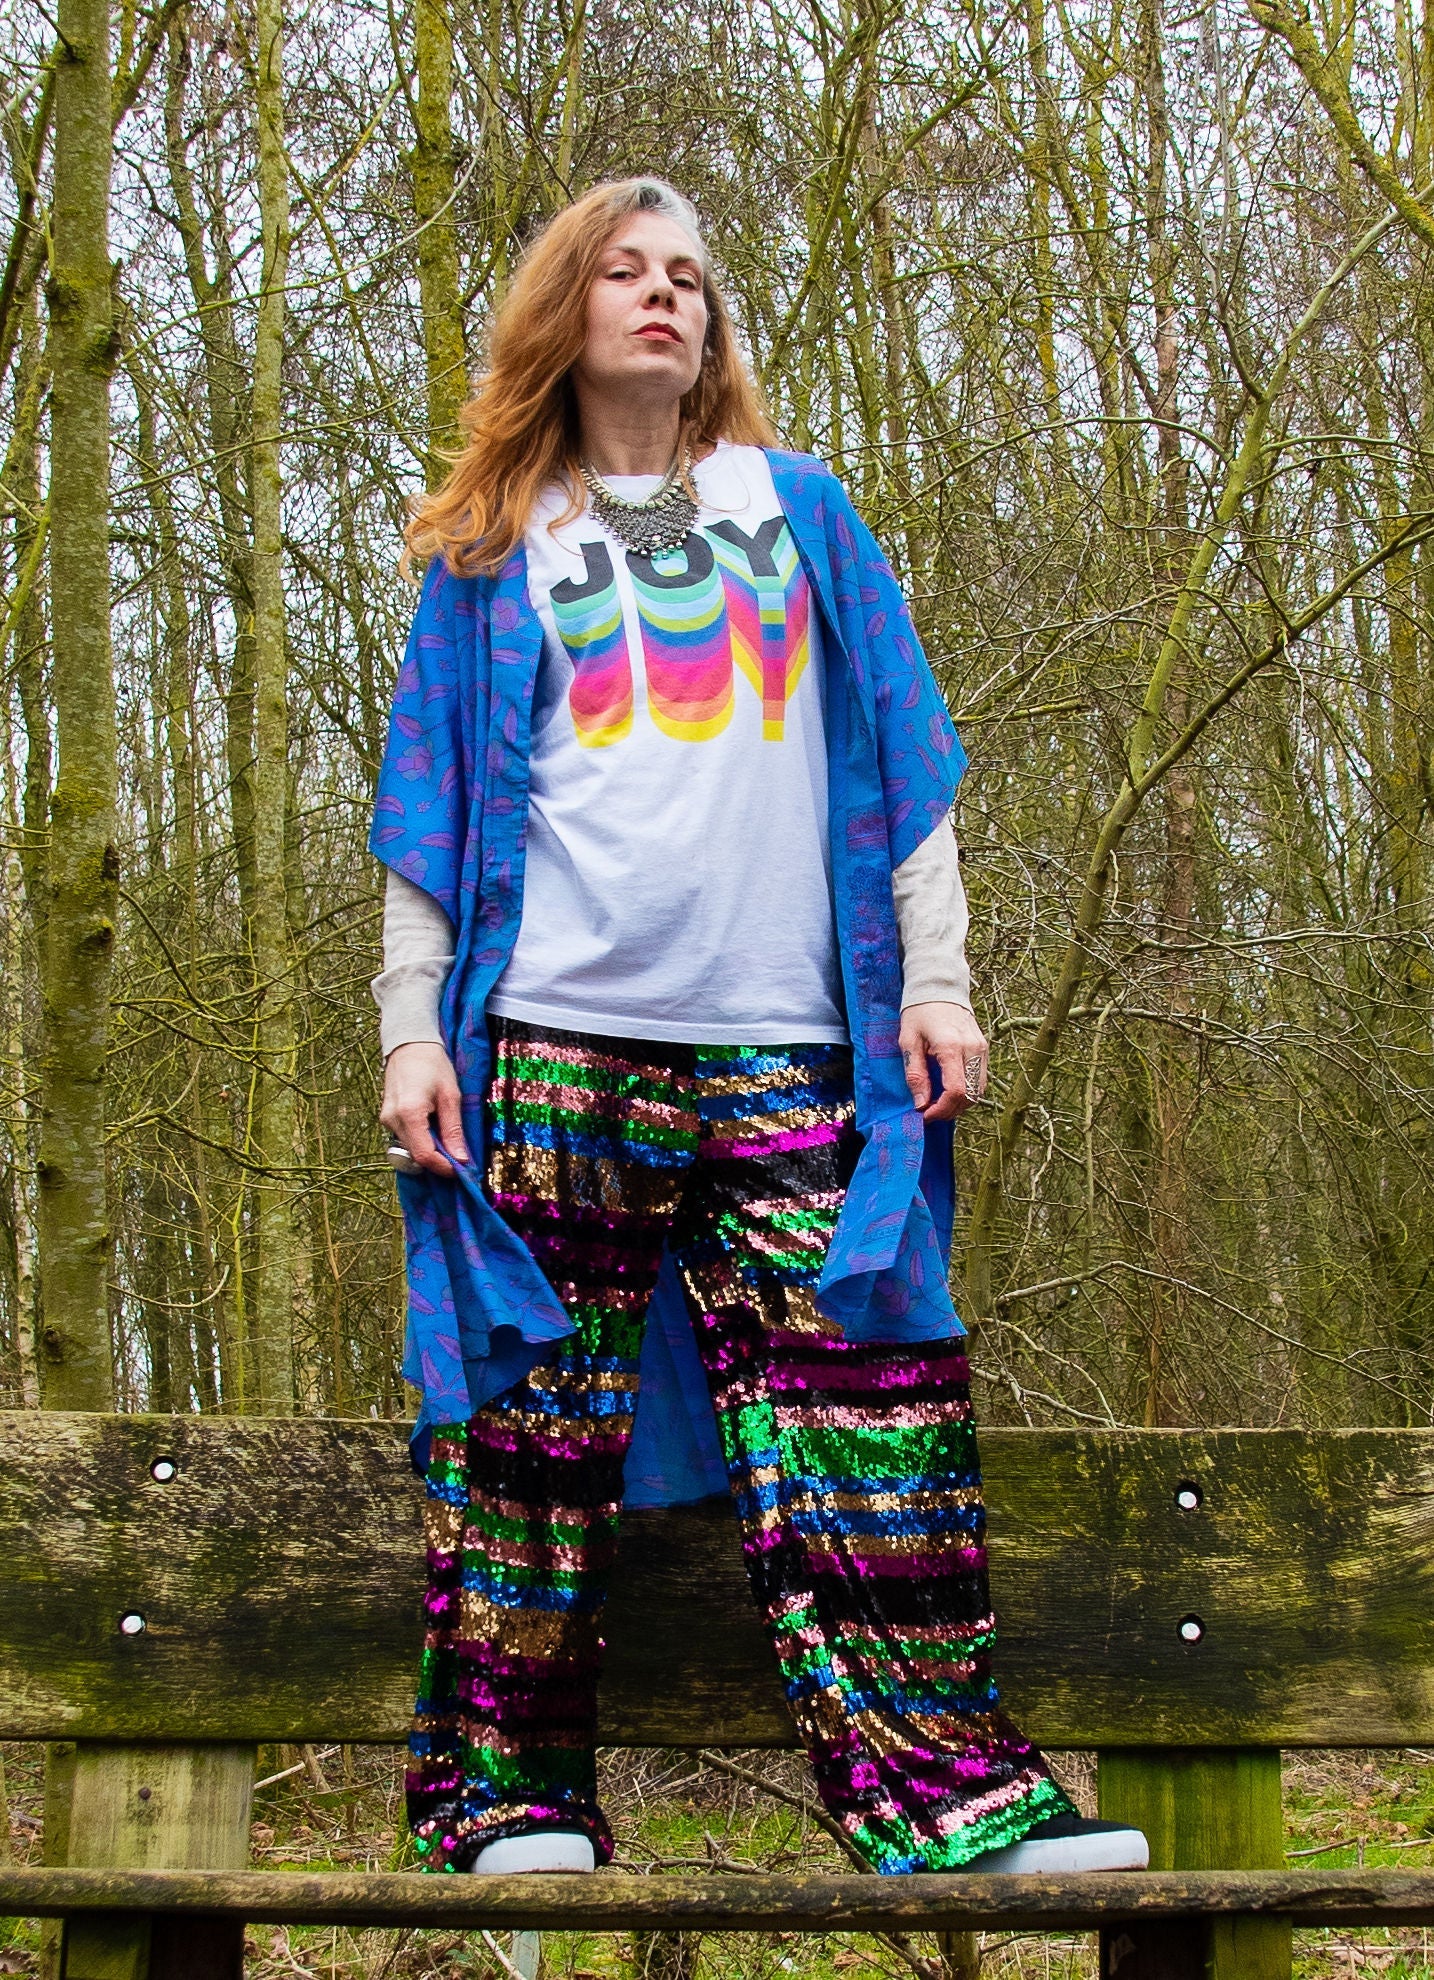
point(543, 1849)
point(1063, 1844)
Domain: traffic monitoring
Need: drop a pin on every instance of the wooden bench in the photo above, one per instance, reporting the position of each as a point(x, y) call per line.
point(174, 1590)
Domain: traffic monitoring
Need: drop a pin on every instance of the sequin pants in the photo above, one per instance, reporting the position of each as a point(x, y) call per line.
point(853, 1468)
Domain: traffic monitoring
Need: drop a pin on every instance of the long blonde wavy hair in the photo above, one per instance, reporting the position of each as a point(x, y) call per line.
point(522, 422)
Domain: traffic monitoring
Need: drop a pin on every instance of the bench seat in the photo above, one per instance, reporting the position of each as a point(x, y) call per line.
point(175, 1591)
point(718, 1901)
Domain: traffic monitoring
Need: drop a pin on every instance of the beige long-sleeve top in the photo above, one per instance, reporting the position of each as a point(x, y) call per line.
point(931, 925)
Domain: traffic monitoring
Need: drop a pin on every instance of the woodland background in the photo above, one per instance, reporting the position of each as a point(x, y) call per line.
point(1116, 316)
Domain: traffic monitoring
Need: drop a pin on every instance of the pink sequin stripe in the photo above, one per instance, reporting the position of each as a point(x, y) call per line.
point(816, 1136)
point(932, 1370)
point(919, 1416)
point(849, 1563)
point(581, 1055)
point(593, 1258)
point(949, 1822)
point(878, 1637)
point(578, 1442)
point(766, 1207)
point(598, 1216)
point(556, 1515)
point(762, 1242)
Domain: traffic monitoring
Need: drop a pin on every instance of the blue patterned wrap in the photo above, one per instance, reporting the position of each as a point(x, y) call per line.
point(451, 815)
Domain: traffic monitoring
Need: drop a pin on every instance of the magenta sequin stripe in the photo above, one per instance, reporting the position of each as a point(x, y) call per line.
point(853, 1468)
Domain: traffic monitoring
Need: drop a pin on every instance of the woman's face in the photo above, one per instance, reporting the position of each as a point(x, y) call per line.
point(647, 318)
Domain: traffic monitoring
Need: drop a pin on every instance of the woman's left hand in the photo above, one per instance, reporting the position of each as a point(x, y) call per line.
point(949, 1034)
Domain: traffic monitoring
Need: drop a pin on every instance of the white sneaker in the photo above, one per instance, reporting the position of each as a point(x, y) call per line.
point(1067, 1843)
point(545, 1849)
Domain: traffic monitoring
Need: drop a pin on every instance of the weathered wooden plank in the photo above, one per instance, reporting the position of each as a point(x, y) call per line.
point(1216, 1809)
point(277, 1573)
point(612, 1900)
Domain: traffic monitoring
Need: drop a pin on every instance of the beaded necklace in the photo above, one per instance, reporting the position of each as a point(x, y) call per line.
point(659, 522)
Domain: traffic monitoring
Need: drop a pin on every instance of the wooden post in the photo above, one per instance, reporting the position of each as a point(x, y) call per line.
point(960, 1954)
point(59, 1785)
point(158, 1808)
point(1215, 1808)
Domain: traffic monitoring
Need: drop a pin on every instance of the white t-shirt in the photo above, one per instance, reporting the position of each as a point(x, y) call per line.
point(678, 877)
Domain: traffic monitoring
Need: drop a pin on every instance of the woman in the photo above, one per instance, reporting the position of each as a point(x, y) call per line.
point(676, 1021)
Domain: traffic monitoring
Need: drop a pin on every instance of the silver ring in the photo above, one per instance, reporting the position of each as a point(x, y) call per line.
point(973, 1077)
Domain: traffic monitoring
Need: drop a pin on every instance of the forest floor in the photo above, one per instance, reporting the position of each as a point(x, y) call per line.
point(343, 1809)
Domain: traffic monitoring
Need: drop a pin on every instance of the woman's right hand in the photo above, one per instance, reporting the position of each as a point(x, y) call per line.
point(418, 1083)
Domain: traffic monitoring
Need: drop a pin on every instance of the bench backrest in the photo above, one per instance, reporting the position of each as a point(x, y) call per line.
point(190, 1579)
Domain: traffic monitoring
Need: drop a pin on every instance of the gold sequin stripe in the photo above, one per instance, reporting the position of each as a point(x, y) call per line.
point(928, 1499)
point(565, 1179)
point(536, 1633)
point(761, 1127)
point(778, 1080)
point(555, 1436)
point(905, 1672)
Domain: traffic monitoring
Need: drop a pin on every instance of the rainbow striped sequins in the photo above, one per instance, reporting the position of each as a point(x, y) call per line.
point(853, 1468)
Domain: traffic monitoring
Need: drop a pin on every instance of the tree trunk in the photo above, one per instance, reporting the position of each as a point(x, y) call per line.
point(274, 1108)
point(1176, 1088)
point(26, 872)
point(74, 1224)
point(224, 394)
point(433, 181)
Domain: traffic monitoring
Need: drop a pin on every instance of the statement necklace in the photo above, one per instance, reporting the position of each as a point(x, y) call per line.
point(659, 522)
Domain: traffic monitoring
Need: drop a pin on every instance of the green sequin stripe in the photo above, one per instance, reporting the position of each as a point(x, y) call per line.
point(597, 1079)
point(530, 1775)
point(608, 1333)
point(737, 1234)
point(893, 1842)
point(525, 1530)
point(801, 1220)
point(902, 1650)
point(813, 1665)
point(930, 1451)
point(798, 1264)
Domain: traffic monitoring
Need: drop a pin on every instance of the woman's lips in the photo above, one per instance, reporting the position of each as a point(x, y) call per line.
point(653, 331)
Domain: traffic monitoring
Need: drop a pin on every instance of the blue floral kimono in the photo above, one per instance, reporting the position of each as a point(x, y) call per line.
point(451, 815)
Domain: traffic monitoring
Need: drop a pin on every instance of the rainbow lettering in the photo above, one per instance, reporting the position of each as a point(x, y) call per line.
point(769, 612)
point(724, 596)
point(589, 621)
point(685, 642)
